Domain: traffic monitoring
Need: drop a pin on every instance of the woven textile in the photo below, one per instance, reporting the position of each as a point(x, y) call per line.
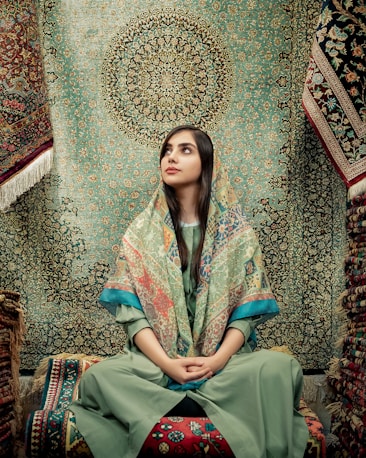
point(51, 431)
point(25, 128)
point(348, 373)
point(11, 334)
point(334, 94)
point(234, 282)
point(119, 74)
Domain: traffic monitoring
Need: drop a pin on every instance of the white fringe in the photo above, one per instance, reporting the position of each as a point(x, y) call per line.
point(357, 189)
point(22, 181)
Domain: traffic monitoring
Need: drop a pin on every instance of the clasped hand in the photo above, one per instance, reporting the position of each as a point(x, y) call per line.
point(189, 369)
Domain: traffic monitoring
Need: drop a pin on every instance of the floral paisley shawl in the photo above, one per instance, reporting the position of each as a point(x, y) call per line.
point(233, 282)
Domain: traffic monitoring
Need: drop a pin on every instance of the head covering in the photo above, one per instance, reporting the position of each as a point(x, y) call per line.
point(233, 283)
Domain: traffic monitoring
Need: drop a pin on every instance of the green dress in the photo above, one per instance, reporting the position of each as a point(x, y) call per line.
point(252, 401)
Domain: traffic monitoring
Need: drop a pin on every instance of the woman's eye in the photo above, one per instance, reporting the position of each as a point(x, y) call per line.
point(186, 150)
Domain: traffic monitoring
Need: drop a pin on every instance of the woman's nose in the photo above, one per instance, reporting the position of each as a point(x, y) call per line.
point(172, 156)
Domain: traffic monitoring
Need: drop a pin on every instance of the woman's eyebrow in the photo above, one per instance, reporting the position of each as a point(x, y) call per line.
point(184, 145)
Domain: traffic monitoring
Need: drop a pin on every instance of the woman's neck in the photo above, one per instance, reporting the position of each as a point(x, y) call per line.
point(188, 200)
point(188, 217)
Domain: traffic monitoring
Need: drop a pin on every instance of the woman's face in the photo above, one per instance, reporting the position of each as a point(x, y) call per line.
point(181, 164)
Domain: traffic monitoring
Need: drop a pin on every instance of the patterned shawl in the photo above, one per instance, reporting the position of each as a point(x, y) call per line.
point(233, 282)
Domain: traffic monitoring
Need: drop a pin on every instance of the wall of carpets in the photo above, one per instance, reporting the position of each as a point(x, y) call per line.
point(120, 75)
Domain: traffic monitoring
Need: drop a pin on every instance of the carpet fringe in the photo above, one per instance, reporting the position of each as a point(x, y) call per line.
point(25, 179)
point(334, 408)
point(339, 343)
point(357, 189)
point(341, 313)
point(334, 369)
point(282, 349)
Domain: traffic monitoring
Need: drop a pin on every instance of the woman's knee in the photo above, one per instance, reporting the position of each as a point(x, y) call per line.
point(102, 370)
point(267, 364)
point(122, 370)
point(277, 360)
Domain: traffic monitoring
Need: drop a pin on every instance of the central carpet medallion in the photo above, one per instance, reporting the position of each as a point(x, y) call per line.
point(165, 68)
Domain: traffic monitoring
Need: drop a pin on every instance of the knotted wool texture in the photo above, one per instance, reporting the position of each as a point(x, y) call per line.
point(334, 93)
point(25, 127)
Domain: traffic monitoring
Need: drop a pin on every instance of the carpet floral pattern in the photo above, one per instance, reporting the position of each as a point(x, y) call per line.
point(238, 70)
point(334, 96)
point(25, 127)
point(167, 58)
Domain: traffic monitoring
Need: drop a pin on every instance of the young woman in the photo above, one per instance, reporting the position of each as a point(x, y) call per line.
point(190, 287)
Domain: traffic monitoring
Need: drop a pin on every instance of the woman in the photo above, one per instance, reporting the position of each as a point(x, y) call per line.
point(190, 288)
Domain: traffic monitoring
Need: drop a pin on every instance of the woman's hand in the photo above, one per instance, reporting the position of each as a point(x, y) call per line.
point(232, 342)
point(184, 370)
point(188, 369)
point(212, 363)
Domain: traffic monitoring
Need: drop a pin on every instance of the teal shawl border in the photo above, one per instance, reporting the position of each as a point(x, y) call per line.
point(110, 298)
point(265, 307)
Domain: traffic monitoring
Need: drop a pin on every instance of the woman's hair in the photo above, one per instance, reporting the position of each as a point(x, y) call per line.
point(205, 149)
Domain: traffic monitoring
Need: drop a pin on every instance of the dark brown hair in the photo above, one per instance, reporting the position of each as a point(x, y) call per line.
point(205, 149)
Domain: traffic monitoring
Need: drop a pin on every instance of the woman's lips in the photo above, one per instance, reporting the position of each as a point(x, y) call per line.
point(171, 171)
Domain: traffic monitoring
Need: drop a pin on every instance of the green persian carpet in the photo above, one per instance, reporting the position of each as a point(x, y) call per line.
point(120, 75)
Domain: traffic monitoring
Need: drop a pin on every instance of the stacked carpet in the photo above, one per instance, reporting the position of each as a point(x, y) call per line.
point(11, 332)
point(347, 375)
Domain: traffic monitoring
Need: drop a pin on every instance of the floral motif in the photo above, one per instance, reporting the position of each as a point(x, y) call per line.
point(176, 436)
point(24, 115)
point(341, 35)
point(166, 68)
point(341, 38)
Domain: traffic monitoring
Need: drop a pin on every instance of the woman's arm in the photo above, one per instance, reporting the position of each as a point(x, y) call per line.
point(177, 369)
point(232, 342)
